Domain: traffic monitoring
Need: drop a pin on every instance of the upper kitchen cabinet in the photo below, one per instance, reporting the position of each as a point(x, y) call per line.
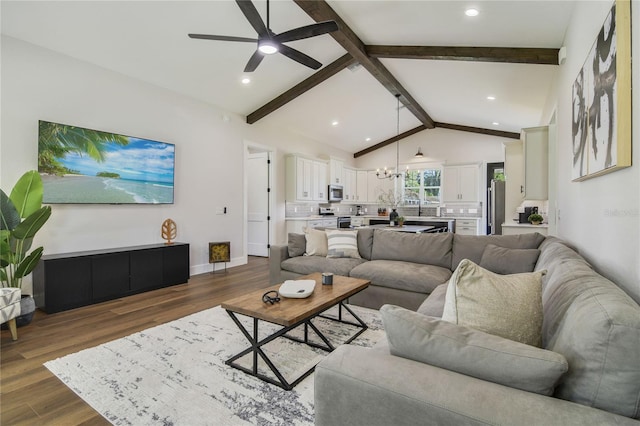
point(460, 184)
point(336, 172)
point(350, 185)
point(306, 180)
point(361, 187)
point(535, 145)
point(319, 181)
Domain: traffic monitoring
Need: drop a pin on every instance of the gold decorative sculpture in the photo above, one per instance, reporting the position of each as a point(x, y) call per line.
point(169, 231)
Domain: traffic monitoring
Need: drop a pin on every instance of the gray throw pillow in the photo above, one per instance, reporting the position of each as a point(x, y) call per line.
point(471, 352)
point(297, 244)
point(509, 306)
point(502, 260)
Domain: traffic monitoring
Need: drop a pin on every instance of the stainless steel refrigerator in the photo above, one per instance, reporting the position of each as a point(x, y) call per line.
point(495, 209)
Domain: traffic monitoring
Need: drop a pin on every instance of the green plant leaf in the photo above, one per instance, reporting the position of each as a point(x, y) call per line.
point(29, 263)
point(10, 217)
point(27, 194)
point(31, 225)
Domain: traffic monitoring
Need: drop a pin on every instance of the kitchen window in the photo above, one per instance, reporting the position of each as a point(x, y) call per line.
point(422, 187)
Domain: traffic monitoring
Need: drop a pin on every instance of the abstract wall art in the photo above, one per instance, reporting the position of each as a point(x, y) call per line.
point(601, 97)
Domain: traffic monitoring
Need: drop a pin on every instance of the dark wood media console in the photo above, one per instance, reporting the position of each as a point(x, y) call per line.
point(70, 280)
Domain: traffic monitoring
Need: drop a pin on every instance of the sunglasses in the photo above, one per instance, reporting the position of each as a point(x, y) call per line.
point(271, 297)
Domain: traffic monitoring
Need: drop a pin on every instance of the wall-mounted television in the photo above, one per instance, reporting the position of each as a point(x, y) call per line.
point(85, 166)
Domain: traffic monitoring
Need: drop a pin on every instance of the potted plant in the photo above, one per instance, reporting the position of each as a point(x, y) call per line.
point(535, 219)
point(400, 221)
point(22, 216)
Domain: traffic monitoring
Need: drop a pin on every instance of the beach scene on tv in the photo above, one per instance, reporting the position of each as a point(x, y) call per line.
point(84, 166)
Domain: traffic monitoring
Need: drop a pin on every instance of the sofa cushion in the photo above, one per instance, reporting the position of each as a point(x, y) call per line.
point(472, 246)
point(342, 244)
point(297, 244)
point(509, 306)
point(508, 260)
point(596, 326)
point(474, 353)
point(425, 248)
point(434, 304)
point(316, 244)
point(407, 276)
point(309, 264)
point(365, 242)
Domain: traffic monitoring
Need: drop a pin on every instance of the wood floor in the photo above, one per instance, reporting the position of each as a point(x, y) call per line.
point(31, 395)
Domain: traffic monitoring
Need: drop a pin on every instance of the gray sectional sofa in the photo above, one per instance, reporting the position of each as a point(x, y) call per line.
point(588, 322)
point(587, 319)
point(403, 268)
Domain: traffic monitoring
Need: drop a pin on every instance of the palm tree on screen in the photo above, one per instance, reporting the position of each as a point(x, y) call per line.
point(57, 140)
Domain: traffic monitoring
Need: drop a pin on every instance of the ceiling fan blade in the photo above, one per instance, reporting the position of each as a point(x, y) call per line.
point(299, 57)
point(254, 61)
point(307, 31)
point(251, 13)
point(223, 38)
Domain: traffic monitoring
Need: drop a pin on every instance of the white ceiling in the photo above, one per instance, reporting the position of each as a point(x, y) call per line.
point(148, 40)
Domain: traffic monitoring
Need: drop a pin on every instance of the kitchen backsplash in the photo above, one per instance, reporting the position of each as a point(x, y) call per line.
point(308, 209)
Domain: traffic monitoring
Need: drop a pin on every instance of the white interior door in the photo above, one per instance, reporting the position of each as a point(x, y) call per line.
point(258, 204)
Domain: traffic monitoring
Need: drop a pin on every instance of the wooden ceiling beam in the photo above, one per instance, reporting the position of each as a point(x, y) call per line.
point(320, 11)
point(516, 55)
point(302, 87)
point(480, 130)
point(491, 132)
point(390, 141)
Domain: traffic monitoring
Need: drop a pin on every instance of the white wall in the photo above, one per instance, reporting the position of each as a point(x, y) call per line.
point(42, 84)
point(601, 216)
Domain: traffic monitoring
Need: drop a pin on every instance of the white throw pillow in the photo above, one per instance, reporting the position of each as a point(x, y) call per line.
point(342, 244)
point(509, 306)
point(316, 242)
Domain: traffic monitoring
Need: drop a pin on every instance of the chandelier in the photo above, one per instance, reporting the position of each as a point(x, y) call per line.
point(386, 174)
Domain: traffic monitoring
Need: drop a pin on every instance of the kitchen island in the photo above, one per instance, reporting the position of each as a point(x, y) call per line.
point(416, 229)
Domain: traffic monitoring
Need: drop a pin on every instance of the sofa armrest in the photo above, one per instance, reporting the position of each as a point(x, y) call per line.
point(277, 253)
point(361, 386)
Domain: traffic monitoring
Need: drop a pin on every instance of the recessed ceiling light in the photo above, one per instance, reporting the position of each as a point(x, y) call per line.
point(471, 12)
point(495, 123)
point(334, 123)
point(246, 80)
point(491, 98)
point(367, 139)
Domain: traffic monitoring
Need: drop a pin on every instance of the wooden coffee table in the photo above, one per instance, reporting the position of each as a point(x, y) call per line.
point(292, 313)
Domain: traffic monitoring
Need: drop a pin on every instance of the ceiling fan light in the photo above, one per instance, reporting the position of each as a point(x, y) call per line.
point(268, 47)
point(419, 154)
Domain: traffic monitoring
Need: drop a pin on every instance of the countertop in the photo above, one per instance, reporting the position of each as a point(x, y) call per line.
point(316, 217)
point(524, 225)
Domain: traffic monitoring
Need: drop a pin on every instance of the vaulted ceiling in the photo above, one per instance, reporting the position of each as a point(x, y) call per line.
point(443, 63)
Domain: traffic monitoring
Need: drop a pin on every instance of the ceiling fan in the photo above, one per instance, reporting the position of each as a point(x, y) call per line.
point(270, 42)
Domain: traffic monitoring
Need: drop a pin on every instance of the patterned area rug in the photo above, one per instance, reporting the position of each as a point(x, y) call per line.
point(174, 374)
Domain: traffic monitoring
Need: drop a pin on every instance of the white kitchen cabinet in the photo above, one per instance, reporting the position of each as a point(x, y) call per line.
point(298, 226)
point(336, 172)
point(305, 179)
point(467, 226)
point(524, 228)
point(319, 181)
point(361, 187)
point(350, 185)
point(535, 144)
point(513, 174)
point(460, 184)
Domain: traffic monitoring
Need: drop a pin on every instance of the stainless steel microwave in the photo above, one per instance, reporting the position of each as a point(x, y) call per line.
point(335, 193)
